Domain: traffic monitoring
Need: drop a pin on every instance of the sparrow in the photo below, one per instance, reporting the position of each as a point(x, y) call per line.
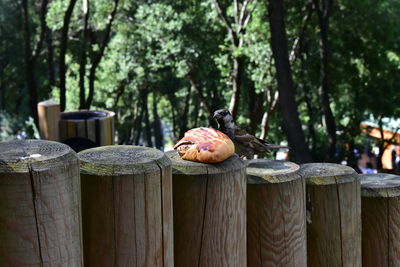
point(246, 145)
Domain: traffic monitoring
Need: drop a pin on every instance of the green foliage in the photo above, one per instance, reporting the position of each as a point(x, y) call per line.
point(163, 54)
point(14, 126)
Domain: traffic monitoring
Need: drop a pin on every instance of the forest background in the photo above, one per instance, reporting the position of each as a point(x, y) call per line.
point(305, 72)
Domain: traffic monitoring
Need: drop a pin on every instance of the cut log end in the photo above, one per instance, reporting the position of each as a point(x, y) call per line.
point(18, 155)
point(48, 103)
point(110, 160)
point(187, 167)
point(380, 185)
point(327, 173)
point(39, 204)
point(261, 171)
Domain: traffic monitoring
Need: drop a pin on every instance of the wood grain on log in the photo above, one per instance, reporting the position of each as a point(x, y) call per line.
point(126, 206)
point(276, 215)
point(380, 202)
point(40, 221)
point(209, 212)
point(334, 215)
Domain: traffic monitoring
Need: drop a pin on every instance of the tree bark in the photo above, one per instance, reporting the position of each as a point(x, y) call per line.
point(63, 52)
point(199, 93)
point(97, 59)
point(2, 88)
point(185, 115)
point(323, 10)
point(235, 30)
point(50, 58)
point(290, 115)
point(273, 103)
point(138, 123)
point(147, 122)
point(311, 130)
point(255, 107)
point(31, 55)
point(237, 70)
point(297, 44)
point(83, 59)
point(158, 131)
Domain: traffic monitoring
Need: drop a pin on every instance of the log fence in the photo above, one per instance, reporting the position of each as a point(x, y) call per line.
point(276, 224)
point(40, 218)
point(333, 214)
point(380, 201)
point(209, 212)
point(137, 206)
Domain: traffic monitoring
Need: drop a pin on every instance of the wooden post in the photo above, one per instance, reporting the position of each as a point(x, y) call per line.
point(126, 207)
point(40, 218)
point(49, 116)
point(276, 214)
point(380, 202)
point(333, 214)
point(209, 212)
point(86, 129)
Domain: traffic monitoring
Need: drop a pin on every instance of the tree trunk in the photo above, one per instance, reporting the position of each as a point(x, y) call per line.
point(236, 84)
point(311, 130)
point(158, 131)
point(255, 106)
point(50, 59)
point(290, 115)
point(63, 52)
point(82, 65)
point(199, 93)
point(323, 11)
point(32, 55)
point(2, 90)
point(147, 122)
point(185, 115)
point(273, 100)
point(138, 122)
point(96, 61)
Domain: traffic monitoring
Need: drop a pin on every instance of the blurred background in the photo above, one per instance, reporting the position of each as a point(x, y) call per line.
point(322, 76)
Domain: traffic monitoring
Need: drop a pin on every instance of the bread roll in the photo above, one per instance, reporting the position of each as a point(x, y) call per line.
point(205, 145)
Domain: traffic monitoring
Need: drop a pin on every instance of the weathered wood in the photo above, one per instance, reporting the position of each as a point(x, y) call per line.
point(209, 212)
point(40, 217)
point(49, 117)
point(276, 214)
point(380, 202)
point(333, 214)
point(126, 206)
point(87, 129)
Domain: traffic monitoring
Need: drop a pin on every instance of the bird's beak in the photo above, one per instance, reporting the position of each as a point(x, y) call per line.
point(217, 116)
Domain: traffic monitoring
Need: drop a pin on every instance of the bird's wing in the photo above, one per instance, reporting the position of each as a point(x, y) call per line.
point(247, 139)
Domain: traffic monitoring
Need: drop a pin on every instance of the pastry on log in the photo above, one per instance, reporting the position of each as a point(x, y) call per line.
point(205, 145)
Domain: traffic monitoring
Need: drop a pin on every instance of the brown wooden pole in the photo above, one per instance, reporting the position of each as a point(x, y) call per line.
point(276, 214)
point(40, 218)
point(126, 207)
point(49, 118)
point(333, 215)
point(380, 202)
point(209, 212)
